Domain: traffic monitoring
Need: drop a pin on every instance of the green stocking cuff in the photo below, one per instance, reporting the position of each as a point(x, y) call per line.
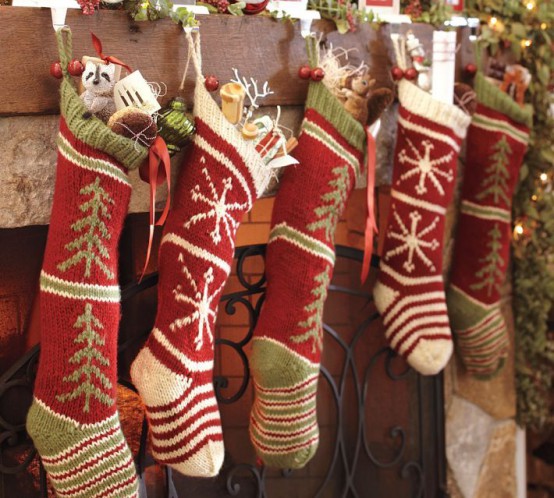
point(92, 130)
point(325, 103)
point(491, 96)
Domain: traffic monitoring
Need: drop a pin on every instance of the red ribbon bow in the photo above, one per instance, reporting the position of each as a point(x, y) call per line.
point(97, 44)
point(151, 173)
point(370, 225)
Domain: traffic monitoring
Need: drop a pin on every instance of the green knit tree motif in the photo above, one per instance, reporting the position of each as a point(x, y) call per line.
point(495, 183)
point(491, 275)
point(92, 229)
point(313, 323)
point(89, 357)
point(333, 203)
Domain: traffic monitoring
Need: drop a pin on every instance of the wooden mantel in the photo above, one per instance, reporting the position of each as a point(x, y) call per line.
point(259, 47)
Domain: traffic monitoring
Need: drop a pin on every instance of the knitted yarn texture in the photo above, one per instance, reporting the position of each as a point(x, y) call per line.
point(496, 143)
point(73, 420)
point(409, 292)
point(221, 177)
point(288, 339)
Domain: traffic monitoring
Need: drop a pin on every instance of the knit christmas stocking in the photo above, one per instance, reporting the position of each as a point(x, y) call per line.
point(221, 177)
point(73, 420)
point(287, 342)
point(409, 292)
point(496, 142)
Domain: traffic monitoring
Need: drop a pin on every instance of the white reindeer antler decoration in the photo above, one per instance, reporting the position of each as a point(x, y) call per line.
point(252, 97)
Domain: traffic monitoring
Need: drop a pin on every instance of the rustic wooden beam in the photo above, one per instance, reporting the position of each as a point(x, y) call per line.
point(258, 46)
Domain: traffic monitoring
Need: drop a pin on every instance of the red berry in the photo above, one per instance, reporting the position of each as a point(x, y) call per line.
point(397, 73)
point(506, 43)
point(211, 83)
point(305, 72)
point(75, 68)
point(56, 70)
point(317, 74)
point(411, 74)
point(470, 69)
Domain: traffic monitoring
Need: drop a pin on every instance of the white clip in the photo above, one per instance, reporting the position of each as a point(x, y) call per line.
point(306, 19)
point(297, 10)
point(58, 8)
point(195, 10)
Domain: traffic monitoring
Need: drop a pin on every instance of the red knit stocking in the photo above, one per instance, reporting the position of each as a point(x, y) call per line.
point(220, 178)
point(410, 291)
point(73, 419)
point(496, 142)
point(300, 257)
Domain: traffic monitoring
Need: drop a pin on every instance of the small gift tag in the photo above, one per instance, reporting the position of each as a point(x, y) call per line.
point(134, 91)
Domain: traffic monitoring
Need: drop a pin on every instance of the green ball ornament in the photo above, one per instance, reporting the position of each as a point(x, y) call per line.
point(175, 125)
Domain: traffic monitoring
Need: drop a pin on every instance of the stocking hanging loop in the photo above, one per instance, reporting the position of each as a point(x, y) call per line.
point(65, 50)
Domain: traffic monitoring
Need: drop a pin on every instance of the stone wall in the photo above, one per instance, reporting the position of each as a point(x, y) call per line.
point(480, 425)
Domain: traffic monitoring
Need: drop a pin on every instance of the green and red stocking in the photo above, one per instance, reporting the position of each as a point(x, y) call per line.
point(73, 420)
point(496, 143)
point(286, 347)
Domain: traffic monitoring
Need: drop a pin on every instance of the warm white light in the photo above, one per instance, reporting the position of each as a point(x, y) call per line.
point(543, 177)
point(526, 43)
point(492, 22)
point(518, 229)
point(530, 5)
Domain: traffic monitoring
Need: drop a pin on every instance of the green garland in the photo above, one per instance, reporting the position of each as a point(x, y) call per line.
point(527, 29)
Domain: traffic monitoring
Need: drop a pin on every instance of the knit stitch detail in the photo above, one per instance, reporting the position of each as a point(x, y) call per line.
point(206, 109)
point(90, 163)
point(73, 419)
point(305, 242)
point(283, 421)
point(92, 130)
point(321, 100)
point(491, 96)
point(95, 133)
point(421, 103)
point(409, 293)
point(83, 460)
point(288, 338)
point(76, 290)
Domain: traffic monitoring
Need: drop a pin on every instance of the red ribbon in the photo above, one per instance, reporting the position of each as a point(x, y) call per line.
point(97, 44)
point(151, 173)
point(370, 225)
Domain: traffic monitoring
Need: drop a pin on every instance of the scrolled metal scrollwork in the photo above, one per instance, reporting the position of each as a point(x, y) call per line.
point(415, 469)
point(234, 488)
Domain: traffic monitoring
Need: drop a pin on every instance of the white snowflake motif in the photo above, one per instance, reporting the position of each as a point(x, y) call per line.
point(412, 241)
point(217, 207)
point(425, 167)
point(201, 301)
